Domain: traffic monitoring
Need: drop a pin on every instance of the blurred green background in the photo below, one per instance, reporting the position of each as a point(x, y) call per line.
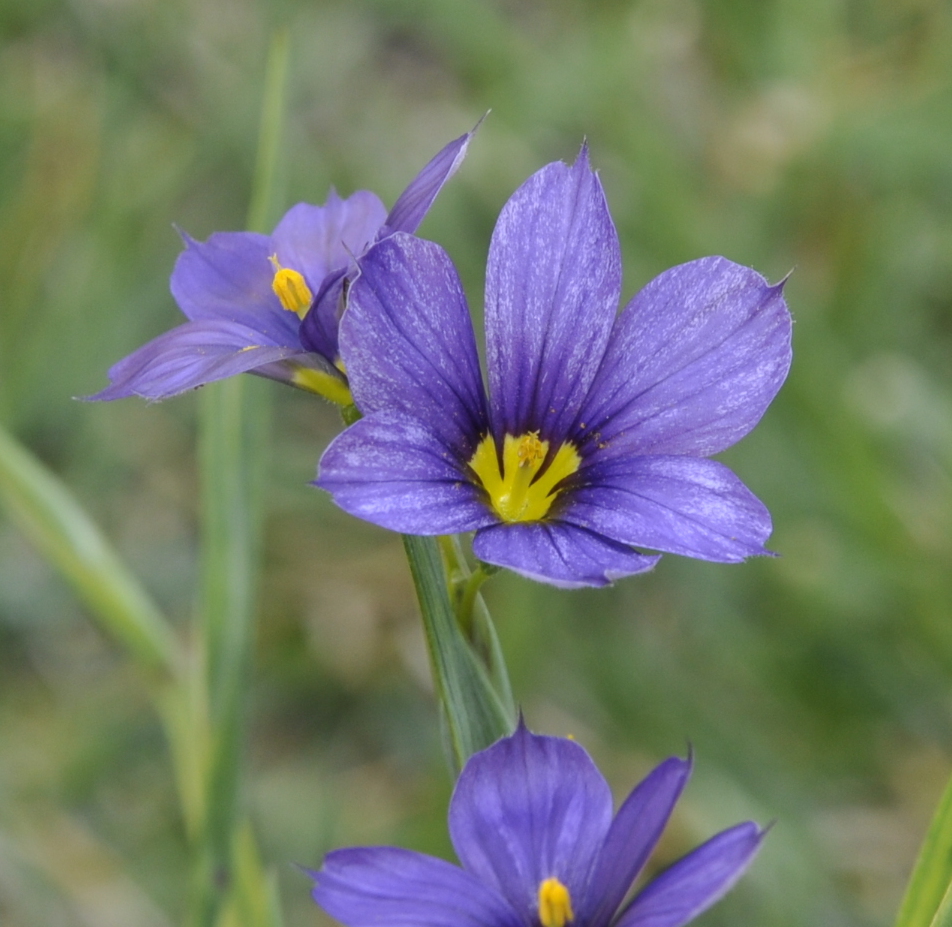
point(815, 688)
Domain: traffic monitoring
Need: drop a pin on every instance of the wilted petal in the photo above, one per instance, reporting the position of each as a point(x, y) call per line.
point(694, 361)
point(228, 279)
point(408, 343)
point(393, 471)
point(559, 554)
point(316, 240)
point(695, 882)
point(189, 356)
point(374, 886)
point(636, 829)
point(552, 287)
point(526, 809)
point(415, 202)
point(682, 505)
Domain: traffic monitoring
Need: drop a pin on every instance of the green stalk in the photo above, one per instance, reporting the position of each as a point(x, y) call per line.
point(476, 715)
point(473, 616)
point(233, 437)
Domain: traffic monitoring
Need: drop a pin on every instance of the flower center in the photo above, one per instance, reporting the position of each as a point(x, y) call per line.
point(555, 904)
point(516, 491)
point(291, 288)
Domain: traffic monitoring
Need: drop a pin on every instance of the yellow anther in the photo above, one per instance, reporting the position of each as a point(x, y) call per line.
point(518, 491)
point(555, 904)
point(291, 288)
point(531, 450)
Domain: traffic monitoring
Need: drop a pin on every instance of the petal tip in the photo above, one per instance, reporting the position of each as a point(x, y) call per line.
point(781, 283)
point(583, 159)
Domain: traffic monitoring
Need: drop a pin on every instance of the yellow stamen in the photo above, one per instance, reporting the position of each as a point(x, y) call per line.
point(517, 491)
point(555, 904)
point(322, 383)
point(291, 288)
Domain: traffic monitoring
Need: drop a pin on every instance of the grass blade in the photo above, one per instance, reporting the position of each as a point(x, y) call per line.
point(51, 517)
point(931, 879)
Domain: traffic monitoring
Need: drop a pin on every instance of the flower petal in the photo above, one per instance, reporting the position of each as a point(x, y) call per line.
point(320, 327)
point(393, 471)
point(415, 202)
point(408, 343)
point(695, 882)
point(228, 279)
point(526, 809)
point(317, 240)
point(371, 886)
point(559, 554)
point(681, 505)
point(694, 361)
point(636, 829)
point(552, 287)
point(191, 355)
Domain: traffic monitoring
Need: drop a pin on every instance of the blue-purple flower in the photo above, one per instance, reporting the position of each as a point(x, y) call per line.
point(271, 304)
point(531, 822)
point(594, 436)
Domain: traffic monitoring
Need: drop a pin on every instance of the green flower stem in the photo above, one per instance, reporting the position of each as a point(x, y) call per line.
point(233, 437)
point(473, 616)
point(486, 642)
point(470, 592)
point(475, 713)
point(466, 659)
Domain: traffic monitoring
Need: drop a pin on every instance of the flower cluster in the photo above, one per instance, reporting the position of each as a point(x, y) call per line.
point(592, 442)
point(589, 442)
point(594, 435)
point(531, 822)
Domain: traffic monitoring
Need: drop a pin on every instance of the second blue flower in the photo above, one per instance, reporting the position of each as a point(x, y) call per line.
point(594, 436)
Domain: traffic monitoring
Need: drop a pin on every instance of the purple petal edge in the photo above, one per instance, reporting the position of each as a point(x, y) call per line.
point(527, 808)
point(414, 203)
point(392, 471)
point(370, 886)
point(559, 554)
point(694, 360)
point(683, 505)
point(189, 356)
point(695, 882)
point(634, 833)
point(553, 279)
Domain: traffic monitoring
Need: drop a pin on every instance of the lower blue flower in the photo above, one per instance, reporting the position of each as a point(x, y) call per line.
point(592, 441)
point(531, 822)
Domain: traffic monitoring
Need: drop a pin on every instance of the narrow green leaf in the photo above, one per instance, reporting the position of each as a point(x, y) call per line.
point(473, 616)
point(232, 437)
point(233, 440)
point(487, 641)
point(943, 916)
point(270, 133)
point(475, 715)
point(50, 516)
point(255, 898)
point(927, 900)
